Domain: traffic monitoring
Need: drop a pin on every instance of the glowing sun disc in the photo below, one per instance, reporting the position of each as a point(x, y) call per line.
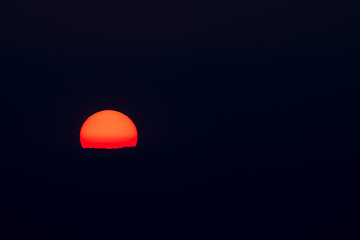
point(108, 129)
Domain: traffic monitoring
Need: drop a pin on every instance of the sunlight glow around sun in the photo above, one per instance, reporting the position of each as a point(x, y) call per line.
point(108, 129)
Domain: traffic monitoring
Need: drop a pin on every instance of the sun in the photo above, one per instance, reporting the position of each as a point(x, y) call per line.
point(108, 129)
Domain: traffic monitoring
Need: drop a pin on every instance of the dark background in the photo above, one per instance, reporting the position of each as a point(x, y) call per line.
point(247, 113)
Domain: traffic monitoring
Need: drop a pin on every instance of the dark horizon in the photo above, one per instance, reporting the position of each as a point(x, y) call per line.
point(247, 115)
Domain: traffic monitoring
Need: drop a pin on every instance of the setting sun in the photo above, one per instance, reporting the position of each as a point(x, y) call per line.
point(108, 129)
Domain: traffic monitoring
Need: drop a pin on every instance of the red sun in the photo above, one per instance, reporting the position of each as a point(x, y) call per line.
point(108, 129)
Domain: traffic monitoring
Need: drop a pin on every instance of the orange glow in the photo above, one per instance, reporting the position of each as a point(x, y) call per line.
point(108, 129)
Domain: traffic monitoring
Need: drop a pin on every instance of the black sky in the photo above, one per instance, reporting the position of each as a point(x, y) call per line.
point(247, 113)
